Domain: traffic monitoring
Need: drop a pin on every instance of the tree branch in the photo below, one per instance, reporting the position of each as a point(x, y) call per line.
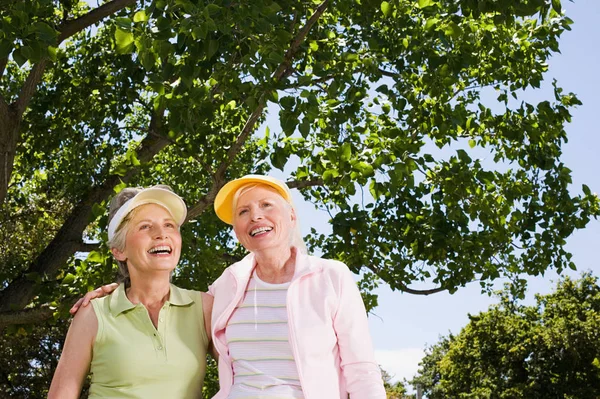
point(29, 87)
point(87, 247)
point(26, 316)
point(314, 82)
point(388, 73)
point(67, 241)
point(70, 28)
point(304, 183)
point(284, 70)
point(286, 66)
point(404, 288)
point(3, 62)
point(207, 200)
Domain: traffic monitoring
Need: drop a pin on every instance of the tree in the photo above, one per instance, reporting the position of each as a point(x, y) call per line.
point(395, 390)
point(383, 114)
point(549, 350)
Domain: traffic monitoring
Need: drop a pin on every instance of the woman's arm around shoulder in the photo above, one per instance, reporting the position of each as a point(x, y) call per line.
point(76, 357)
point(360, 370)
point(207, 304)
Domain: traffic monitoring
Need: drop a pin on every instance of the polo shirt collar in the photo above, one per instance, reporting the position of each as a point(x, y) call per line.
point(119, 302)
point(179, 297)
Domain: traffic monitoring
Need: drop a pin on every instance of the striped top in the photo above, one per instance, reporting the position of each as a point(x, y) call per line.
point(257, 336)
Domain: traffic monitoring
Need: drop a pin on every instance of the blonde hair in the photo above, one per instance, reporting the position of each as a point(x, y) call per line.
point(296, 239)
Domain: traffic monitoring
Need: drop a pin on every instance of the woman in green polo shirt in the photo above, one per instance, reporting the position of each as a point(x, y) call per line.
point(148, 339)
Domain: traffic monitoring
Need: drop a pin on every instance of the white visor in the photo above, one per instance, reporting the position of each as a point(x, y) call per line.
point(153, 195)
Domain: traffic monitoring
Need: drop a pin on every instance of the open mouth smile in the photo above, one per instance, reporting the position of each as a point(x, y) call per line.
point(260, 230)
point(160, 250)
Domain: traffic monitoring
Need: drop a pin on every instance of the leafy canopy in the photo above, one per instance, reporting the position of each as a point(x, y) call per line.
point(402, 119)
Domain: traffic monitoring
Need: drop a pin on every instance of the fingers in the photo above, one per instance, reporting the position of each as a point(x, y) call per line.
point(108, 288)
point(97, 293)
point(76, 306)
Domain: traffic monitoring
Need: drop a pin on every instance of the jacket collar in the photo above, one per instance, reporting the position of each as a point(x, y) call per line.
point(243, 269)
point(119, 302)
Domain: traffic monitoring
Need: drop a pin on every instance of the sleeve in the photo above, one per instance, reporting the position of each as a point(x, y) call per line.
point(359, 368)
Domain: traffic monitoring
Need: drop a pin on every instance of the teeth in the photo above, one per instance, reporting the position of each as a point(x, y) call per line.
point(161, 248)
point(260, 230)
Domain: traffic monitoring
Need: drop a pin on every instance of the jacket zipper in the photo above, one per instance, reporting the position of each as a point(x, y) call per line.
point(293, 332)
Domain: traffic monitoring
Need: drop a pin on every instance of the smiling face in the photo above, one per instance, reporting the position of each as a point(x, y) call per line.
point(153, 241)
point(263, 219)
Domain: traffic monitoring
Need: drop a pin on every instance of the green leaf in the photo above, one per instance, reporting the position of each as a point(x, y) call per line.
point(5, 48)
point(95, 257)
point(18, 56)
point(365, 169)
point(557, 6)
point(472, 143)
point(288, 122)
point(123, 23)
point(425, 3)
point(430, 23)
point(287, 102)
point(586, 190)
point(212, 9)
point(386, 8)
point(329, 175)
point(45, 32)
point(345, 152)
point(52, 53)
point(140, 16)
point(213, 46)
point(452, 29)
point(276, 57)
point(69, 279)
point(124, 41)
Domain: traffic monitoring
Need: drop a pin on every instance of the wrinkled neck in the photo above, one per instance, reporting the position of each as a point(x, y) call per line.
point(276, 266)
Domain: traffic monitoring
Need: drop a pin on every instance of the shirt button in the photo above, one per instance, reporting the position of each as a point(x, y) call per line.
point(159, 348)
point(160, 319)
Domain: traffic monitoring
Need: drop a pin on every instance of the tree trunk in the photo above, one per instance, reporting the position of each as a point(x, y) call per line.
point(9, 132)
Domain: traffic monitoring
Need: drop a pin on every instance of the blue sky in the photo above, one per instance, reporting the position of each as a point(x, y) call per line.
point(404, 324)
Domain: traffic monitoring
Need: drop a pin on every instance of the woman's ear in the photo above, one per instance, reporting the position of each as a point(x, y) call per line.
point(119, 255)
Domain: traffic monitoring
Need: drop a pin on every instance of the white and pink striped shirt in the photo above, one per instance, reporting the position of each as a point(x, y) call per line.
point(258, 340)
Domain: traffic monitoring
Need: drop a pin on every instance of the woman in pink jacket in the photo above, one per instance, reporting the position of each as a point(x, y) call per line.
point(285, 324)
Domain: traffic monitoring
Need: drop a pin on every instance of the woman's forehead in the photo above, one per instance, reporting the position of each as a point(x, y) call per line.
point(257, 192)
point(150, 211)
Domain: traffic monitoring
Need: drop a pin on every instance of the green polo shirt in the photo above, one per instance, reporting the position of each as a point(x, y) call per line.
point(133, 359)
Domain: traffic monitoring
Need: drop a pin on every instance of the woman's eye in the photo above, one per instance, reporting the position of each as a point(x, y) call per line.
point(242, 212)
point(266, 204)
point(170, 225)
point(144, 227)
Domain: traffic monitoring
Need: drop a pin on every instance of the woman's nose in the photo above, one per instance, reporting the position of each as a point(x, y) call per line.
point(160, 232)
point(256, 214)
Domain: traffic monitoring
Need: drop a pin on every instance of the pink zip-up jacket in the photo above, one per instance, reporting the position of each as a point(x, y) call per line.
point(328, 329)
